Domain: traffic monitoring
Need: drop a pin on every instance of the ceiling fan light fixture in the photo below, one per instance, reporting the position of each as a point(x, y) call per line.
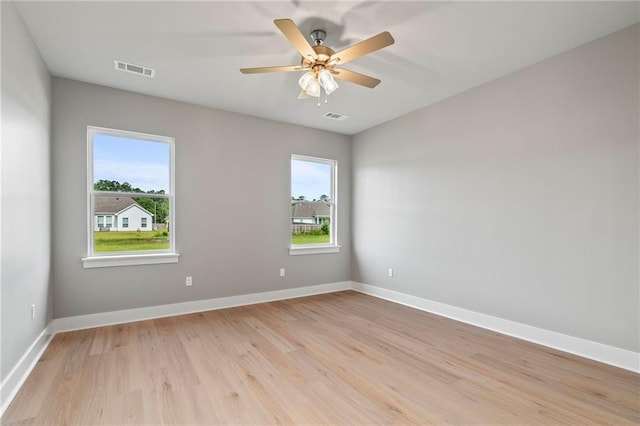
point(313, 89)
point(306, 80)
point(327, 81)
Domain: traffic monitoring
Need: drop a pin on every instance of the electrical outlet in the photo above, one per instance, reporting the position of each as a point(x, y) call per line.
point(390, 272)
point(189, 282)
point(282, 272)
point(33, 311)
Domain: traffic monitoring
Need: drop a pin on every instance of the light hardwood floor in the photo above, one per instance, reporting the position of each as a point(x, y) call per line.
point(341, 358)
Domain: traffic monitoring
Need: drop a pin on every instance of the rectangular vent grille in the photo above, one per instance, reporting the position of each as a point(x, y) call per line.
point(134, 69)
point(335, 116)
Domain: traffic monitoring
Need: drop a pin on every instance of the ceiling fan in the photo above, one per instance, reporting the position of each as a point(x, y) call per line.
point(321, 62)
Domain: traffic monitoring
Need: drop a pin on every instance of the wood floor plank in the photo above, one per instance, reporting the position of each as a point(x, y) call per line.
point(340, 358)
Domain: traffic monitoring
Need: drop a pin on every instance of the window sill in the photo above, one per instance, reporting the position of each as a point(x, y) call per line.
point(129, 260)
point(301, 250)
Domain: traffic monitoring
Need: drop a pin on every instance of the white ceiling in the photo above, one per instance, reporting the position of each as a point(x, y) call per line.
point(441, 49)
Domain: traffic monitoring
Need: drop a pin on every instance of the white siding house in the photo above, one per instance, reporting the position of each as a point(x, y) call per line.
point(120, 214)
point(310, 212)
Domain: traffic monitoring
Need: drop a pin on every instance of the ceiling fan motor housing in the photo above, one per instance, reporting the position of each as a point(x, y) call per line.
point(323, 53)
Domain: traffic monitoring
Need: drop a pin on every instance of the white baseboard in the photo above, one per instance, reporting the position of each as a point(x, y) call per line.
point(19, 373)
point(101, 319)
point(611, 355)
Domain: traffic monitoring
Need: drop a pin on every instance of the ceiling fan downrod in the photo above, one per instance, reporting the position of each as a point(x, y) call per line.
point(318, 36)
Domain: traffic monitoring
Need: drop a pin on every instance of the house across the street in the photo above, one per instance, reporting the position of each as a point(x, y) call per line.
point(121, 214)
point(310, 213)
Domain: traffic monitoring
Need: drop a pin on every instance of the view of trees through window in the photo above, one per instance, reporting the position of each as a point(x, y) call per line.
point(312, 205)
point(131, 204)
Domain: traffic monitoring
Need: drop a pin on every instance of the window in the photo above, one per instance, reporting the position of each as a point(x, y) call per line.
point(130, 181)
point(313, 205)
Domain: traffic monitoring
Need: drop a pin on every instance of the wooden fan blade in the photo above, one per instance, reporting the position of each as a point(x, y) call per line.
point(299, 41)
point(364, 47)
point(356, 77)
point(271, 69)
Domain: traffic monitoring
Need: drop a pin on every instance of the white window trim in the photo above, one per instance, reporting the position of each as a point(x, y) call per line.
point(100, 260)
point(333, 246)
point(129, 260)
point(299, 250)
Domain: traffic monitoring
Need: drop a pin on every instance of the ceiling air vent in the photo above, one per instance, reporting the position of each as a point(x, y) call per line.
point(135, 69)
point(335, 116)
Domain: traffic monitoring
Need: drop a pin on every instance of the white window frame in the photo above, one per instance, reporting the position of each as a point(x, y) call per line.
point(332, 246)
point(146, 257)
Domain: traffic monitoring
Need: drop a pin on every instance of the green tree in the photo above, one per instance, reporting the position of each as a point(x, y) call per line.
point(325, 198)
point(114, 185)
point(156, 206)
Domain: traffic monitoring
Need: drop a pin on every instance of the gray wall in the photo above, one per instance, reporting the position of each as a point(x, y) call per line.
point(232, 176)
point(26, 188)
point(517, 199)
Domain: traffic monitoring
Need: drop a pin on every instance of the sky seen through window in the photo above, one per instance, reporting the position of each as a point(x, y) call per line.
point(310, 179)
point(142, 163)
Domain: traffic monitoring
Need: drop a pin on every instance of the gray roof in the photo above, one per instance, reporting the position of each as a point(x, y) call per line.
point(309, 209)
point(112, 205)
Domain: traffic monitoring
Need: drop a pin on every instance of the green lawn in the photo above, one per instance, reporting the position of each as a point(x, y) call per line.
point(150, 240)
point(129, 241)
point(310, 239)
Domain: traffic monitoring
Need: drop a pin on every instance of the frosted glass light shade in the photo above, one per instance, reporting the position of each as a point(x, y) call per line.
point(306, 80)
point(313, 89)
point(327, 81)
